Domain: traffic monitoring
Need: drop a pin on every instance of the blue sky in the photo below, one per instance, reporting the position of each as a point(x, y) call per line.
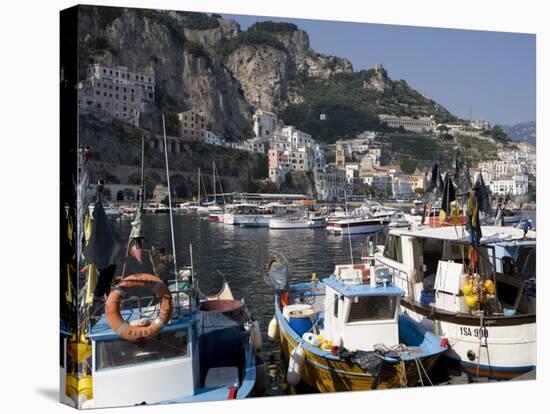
point(494, 72)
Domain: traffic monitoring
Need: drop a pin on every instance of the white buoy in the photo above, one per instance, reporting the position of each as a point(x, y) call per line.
point(273, 329)
point(257, 335)
point(295, 365)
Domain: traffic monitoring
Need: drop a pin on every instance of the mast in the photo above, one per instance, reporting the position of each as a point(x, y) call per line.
point(171, 216)
point(214, 179)
point(199, 187)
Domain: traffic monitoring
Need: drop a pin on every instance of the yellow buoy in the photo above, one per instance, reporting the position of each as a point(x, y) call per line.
point(490, 287)
point(471, 301)
point(467, 288)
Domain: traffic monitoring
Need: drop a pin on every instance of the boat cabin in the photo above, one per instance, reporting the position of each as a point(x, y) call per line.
point(436, 260)
point(359, 313)
point(153, 370)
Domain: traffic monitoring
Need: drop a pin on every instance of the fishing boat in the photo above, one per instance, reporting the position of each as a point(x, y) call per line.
point(346, 333)
point(156, 338)
point(481, 298)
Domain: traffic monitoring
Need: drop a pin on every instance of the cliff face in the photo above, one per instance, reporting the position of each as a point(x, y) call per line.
point(185, 77)
point(181, 50)
point(266, 72)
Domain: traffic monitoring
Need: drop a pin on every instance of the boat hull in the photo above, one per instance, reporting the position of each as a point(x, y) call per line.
point(335, 375)
point(360, 227)
point(508, 344)
point(247, 220)
point(285, 224)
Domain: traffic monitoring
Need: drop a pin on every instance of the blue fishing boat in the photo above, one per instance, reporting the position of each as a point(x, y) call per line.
point(153, 337)
point(346, 332)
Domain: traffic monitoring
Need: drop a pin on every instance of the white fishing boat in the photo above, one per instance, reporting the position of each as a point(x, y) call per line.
point(483, 303)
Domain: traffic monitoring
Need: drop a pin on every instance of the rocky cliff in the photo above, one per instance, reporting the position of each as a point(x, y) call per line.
point(205, 62)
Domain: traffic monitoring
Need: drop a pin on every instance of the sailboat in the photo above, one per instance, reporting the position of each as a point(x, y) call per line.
point(157, 338)
point(215, 212)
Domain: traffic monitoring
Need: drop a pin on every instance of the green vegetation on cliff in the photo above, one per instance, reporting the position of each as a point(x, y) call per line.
point(420, 151)
point(359, 97)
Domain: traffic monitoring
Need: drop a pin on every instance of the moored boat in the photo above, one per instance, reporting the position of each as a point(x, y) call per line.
point(483, 302)
point(346, 333)
point(357, 225)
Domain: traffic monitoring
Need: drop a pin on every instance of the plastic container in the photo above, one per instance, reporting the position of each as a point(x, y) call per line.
point(301, 321)
point(427, 298)
point(296, 307)
point(509, 312)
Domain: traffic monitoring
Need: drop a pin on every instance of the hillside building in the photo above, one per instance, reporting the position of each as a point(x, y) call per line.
point(419, 125)
point(192, 125)
point(115, 92)
point(265, 123)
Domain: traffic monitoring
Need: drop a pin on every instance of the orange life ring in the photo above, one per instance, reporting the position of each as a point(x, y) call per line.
point(127, 330)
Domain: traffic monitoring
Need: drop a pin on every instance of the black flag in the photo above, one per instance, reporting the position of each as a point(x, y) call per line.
point(104, 245)
point(449, 194)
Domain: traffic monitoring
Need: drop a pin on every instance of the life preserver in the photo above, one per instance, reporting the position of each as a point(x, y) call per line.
point(127, 330)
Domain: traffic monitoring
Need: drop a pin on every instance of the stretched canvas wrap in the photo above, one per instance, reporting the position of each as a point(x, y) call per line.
point(250, 209)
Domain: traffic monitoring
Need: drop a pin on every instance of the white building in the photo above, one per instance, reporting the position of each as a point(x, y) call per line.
point(265, 123)
point(331, 184)
point(508, 184)
point(421, 124)
point(480, 124)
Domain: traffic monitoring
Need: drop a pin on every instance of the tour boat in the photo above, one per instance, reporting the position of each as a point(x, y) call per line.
point(489, 315)
point(247, 215)
point(346, 332)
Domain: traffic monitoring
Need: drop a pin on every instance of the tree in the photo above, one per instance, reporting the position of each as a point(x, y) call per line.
point(442, 129)
point(128, 194)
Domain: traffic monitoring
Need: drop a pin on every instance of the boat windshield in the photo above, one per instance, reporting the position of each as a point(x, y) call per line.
point(120, 352)
point(372, 308)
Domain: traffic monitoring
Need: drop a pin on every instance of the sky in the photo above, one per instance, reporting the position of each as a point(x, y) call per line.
point(493, 73)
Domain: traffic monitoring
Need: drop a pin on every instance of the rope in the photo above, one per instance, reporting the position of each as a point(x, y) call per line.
point(479, 347)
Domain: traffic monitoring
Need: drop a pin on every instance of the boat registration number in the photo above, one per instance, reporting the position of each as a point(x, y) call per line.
point(475, 332)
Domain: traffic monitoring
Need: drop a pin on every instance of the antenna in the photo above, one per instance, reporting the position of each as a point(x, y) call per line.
point(171, 215)
point(349, 234)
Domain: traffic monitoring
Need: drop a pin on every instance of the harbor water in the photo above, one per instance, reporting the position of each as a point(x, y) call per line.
point(240, 254)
